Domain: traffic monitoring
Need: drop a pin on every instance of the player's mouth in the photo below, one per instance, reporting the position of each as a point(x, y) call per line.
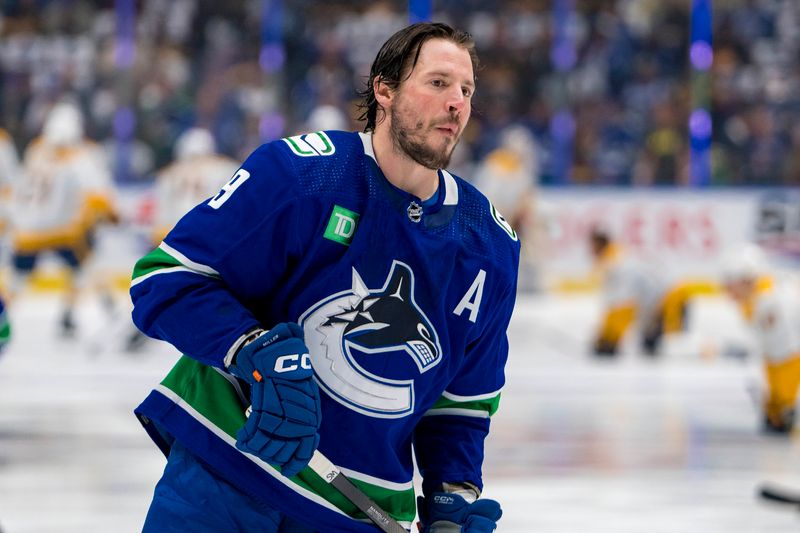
point(450, 129)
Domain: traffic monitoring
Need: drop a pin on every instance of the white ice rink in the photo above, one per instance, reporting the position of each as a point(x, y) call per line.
point(625, 446)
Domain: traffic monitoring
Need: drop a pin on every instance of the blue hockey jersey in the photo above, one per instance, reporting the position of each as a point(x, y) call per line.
point(404, 308)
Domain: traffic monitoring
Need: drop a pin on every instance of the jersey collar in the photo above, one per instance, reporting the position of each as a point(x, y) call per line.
point(436, 215)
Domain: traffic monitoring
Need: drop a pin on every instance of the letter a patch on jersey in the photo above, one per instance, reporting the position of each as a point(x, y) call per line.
point(472, 299)
point(342, 225)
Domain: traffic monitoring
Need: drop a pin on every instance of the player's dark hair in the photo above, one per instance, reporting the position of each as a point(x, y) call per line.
point(399, 55)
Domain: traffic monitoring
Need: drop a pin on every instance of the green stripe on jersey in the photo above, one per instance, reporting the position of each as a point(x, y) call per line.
point(209, 393)
point(488, 405)
point(155, 260)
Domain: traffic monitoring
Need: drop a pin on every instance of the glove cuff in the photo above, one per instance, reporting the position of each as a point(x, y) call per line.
point(465, 489)
point(242, 341)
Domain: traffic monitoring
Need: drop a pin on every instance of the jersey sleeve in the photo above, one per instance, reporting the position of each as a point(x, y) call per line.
point(449, 440)
point(198, 289)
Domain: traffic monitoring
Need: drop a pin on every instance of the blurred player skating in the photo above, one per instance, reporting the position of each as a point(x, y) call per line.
point(508, 176)
point(9, 172)
point(772, 308)
point(65, 192)
point(636, 297)
point(196, 174)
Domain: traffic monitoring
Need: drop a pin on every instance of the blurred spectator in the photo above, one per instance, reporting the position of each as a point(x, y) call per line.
point(628, 90)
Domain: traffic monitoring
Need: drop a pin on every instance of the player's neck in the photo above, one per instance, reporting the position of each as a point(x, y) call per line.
point(402, 171)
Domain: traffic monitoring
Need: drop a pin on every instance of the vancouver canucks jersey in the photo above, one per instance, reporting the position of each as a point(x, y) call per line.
point(404, 308)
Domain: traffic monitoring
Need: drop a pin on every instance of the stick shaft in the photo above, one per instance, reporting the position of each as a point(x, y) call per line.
point(332, 475)
point(777, 494)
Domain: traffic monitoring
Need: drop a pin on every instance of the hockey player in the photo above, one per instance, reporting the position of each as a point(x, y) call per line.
point(633, 295)
point(65, 193)
point(508, 177)
point(357, 295)
point(775, 317)
point(9, 173)
point(196, 174)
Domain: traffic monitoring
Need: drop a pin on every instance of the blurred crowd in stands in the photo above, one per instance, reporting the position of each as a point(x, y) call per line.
point(628, 92)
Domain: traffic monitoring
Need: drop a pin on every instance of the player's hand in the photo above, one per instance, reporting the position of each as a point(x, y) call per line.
point(447, 512)
point(282, 427)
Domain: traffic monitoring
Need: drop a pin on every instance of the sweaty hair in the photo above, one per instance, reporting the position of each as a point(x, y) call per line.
point(398, 56)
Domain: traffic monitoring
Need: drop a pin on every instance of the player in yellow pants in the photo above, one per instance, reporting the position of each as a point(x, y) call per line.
point(774, 315)
point(634, 297)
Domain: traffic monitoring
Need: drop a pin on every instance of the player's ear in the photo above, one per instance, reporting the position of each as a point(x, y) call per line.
point(383, 92)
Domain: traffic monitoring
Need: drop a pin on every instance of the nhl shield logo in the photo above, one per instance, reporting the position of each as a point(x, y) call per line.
point(414, 212)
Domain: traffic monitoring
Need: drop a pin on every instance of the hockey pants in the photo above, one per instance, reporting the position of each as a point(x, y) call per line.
point(190, 498)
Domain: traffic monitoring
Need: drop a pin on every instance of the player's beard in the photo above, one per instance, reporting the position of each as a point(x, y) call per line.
point(408, 135)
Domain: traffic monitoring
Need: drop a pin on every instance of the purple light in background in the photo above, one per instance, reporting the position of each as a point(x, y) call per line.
point(271, 126)
point(125, 53)
point(563, 56)
point(125, 41)
point(271, 57)
point(562, 125)
point(124, 122)
point(701, 55)
point(700, 124)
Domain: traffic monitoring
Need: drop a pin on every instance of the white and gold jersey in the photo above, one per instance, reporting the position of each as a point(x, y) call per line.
point(9, 173)
point(184, 184)
point(64, 192)
point(775, 318)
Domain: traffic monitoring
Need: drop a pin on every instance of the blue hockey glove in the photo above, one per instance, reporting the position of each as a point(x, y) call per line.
point(444, 512)
point(282, 427)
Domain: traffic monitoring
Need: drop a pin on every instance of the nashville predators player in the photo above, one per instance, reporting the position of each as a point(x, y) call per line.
point(65, 192)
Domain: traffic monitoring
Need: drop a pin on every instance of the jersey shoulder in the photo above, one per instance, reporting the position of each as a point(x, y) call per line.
point(312, 163)
point(319, 149)
point(484, 229)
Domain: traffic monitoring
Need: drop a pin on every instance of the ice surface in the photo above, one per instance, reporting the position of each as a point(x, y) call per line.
point(631, 445)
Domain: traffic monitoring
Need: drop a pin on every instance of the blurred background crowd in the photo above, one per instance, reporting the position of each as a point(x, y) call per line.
point(621, 92)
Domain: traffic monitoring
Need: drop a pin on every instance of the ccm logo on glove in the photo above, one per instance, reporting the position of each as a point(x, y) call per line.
point(288, 363)
point(285, 408)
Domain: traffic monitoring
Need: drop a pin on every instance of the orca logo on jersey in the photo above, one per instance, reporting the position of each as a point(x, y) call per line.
point(361, 323)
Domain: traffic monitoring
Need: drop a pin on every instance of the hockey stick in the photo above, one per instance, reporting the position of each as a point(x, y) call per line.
point(778, 494)
point(331, 474)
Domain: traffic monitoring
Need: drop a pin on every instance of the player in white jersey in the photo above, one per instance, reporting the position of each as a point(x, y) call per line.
point(773, 311)
point(65, 192)
point(634, 295)
point(9, 173)
point(508, 177)
point(197, 173)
